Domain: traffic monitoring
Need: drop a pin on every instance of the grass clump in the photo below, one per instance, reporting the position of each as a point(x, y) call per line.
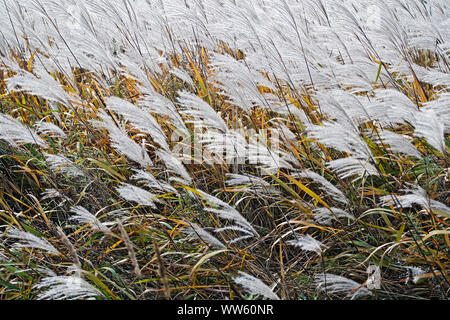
point(224, 150)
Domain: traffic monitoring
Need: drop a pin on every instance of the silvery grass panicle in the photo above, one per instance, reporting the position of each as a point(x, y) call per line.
point(140, 119)
point(335, 284)
point(414, 274)
point(398, 143)
point(43, 85)
point(122, 142)
point(28, 240)
point(250, 183)
point(226, 212)
point(175, 166)
point(307, 243)
point(66, 288)
point(138, 195)
point(60, 164)
point(82, 215)
point(325, 185)
point(255, 286)
point(14, 132)
point(325, 216)
point(415, 195)
point(201, 112)
point(196, 232)
point(151, 182)
point(50, 129)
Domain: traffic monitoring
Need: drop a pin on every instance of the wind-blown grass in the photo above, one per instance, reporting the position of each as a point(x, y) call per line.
point(221, 149)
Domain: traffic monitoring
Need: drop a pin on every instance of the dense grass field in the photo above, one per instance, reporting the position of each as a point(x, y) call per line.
point(223, 149)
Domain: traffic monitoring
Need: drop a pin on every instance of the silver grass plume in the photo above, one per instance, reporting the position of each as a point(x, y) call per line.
point(335, 284)
point(50, 194)
point(341, 137)
point(151, 182)
point(227, 212)
point(238, 82)
point(82, 215)
point(122, 142)
point(428, 125)
point(440, 108)
point(392, 107)
point(139, 118)
point(138, 195)
point(352, 167)
point(250, 183)
point(373, 281)
point(49, 129)
point(59, 163)
point(307, 243)
point(201, 112)
point(183, 75)
point(44, 86)
point(196, 232)
point(325, 185)
point(174, 166)
point(324, 216)
point(398, 143)
point(159, 104)
point(66, 288)
point(29, 240)
point(255, 286)
point(54, 194)
point(415, 196)
point(414, 274)
point(14, 132)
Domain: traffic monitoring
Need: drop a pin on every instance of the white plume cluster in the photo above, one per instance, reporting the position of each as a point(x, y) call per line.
point(307, 243)
point(66, 288)
point(335, 284)
point(28, 240)
point(226, 212)
point(195, 232)
point(60, 164)
point(14, 132)
point(82, 215)
point(255, 286)
point(415, 196)
point(138, 195)
point(200, 98)
point(49, 128)
point(122, 142)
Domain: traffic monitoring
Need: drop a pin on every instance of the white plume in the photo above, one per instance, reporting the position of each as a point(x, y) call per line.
point(138, 195)
point(29, 240)
point(66, 288)
point(13, 132)
point(335, 284)
point(307, 243)
point(82, 215)
point(195, 231)
point(255, 286)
